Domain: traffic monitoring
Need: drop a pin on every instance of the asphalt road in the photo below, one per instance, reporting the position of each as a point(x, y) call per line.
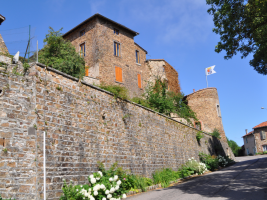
point(245, 180)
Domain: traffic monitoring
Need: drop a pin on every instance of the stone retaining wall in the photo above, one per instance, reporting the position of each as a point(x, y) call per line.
point(83, 124)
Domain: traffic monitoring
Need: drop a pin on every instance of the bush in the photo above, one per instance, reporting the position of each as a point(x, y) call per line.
point(61, 55)
point(235, 148)
point(212, 163)
point(216, 133)
point(265, 152)
point(117, 90)
point(101, 186)
point(199, 135)
point(165, 176)
point(197, 167)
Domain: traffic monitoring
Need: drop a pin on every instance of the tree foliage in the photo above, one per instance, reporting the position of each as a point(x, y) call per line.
point(158, 98)
point(61, 55)
point(242, 26)
point(235, 148)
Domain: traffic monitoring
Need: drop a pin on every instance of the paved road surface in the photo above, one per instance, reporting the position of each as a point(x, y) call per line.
point(246, 180)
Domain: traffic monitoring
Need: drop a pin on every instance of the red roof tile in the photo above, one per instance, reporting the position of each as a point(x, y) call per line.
point(263, 124)
point(250, 133)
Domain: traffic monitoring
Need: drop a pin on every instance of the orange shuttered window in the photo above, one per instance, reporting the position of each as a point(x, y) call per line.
point(139, 80)
point(86, 71)
point(118, 72)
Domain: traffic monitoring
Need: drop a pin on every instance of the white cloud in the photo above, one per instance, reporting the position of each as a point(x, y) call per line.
point(183, 21)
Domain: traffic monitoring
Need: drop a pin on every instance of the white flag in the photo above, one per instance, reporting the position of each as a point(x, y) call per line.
point(210, 70)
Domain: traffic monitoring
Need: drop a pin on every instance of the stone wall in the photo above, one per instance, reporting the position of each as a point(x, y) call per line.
point(83, 125)
point(205, 103)
point(3, 48)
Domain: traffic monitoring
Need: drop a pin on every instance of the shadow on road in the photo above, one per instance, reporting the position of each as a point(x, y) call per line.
point(244, 180)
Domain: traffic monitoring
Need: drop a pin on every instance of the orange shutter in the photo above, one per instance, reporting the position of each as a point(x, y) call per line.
point(139, 80)
point(118, 73)
point(86, 71)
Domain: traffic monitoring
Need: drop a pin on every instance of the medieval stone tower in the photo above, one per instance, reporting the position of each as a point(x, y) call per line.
point(205, 103)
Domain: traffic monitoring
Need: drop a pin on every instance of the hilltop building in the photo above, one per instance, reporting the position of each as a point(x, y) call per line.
point(113, 57)
point(255, 141)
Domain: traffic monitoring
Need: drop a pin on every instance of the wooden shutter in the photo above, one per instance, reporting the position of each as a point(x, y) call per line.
point(118, 74)
point(86, 71)
point(139, 80)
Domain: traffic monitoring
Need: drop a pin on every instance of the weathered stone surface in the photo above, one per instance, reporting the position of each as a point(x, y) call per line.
point(83, 125)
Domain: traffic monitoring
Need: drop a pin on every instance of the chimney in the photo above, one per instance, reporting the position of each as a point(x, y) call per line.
point(193, 90)
point(246, 131)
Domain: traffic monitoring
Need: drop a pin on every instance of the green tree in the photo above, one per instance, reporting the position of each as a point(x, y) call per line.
point(242, 26)
point(235, 148)
point(61, 55)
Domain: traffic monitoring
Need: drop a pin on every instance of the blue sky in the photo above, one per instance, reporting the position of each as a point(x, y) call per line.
point(178, 31)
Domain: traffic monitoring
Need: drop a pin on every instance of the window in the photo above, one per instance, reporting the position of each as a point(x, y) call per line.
point(118, 74)
point(137, 56)
point(218, 110)
point(117, 49)
point(247, 151)
point(264, 147)
point(82, 49)
point(246, 139)
point(255, 150)
point(116, 31)
point(82, 32)
point(263, 135)
point(139, 80)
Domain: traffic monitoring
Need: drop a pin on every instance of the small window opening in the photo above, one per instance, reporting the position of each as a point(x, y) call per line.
point(116, 31)
point(137, 57)
point(117, 49)
point(1, 92)
point(82, 50)
point(219, 111)
point(82, 33)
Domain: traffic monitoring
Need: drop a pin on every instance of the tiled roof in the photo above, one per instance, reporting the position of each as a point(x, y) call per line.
point(250, 133)
point(105, 18)
point(263, 124)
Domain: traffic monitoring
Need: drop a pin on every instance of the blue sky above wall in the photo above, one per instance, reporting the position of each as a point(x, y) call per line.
point(178, 31)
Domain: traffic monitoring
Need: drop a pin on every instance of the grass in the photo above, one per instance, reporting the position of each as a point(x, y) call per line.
point(117, 90)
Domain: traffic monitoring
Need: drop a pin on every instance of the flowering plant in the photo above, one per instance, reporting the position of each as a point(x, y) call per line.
point(222, 161)
point(197, 167)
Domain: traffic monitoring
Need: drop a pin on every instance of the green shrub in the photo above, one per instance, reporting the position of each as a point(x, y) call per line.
point(195, 166)
point(61, 55)
point(212, 163)
point(117, 90)
point(165, 176)
point(265, 152)
point(199, 135)
point(216, 133)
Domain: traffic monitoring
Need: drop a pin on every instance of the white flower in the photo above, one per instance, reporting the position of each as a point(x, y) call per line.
point(104, 198)
point(116, 177)
point(110, 179)
point(97, 178)
point(112, 190)
point(124, 196)
point(119, 182)
point(93, 180)
point(92, 198)
point(102, 186)
point(101, 174)
point(77, 190)
point(193, 158)
point(109, 196)
point(96, 187)
point(117, 187)
point(91, 176)
point(107, 192)
point(95, 193)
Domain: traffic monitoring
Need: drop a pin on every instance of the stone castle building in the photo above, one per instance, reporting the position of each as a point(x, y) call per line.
point(205, 103)
point(112, 56)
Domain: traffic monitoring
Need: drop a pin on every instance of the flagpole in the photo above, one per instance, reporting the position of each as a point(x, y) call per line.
point(207, 80)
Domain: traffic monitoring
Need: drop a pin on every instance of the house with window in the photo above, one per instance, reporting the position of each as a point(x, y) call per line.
point(112, 56)
point(255, 141)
